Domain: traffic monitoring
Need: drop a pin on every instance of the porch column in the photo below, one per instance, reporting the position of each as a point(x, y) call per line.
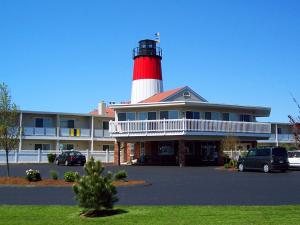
point(92, 134)
point(181, 153)
point(117, 154)
point(20, 132)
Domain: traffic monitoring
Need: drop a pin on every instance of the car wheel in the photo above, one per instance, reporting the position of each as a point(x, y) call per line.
point(66, 163)
point(241, 167)
point(266, 168)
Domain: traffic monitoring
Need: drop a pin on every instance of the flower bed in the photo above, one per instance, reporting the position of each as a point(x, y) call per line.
point(50, 182)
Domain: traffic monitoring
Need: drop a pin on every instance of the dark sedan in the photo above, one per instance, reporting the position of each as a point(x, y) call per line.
point(69, 158)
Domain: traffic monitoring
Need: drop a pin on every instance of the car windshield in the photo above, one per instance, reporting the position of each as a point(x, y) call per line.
point(294, 154)
point(279, 152)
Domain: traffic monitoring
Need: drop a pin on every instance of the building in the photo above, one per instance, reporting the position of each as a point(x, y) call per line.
point(281, 135)
point(178, 126)
point(65, 131)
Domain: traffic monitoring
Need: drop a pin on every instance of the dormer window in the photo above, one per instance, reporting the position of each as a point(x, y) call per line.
point(186, 94)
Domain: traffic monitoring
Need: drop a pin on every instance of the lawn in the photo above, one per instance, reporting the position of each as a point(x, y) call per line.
point(154, 215)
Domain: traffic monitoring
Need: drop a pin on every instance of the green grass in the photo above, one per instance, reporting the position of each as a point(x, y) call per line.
point(190, 215)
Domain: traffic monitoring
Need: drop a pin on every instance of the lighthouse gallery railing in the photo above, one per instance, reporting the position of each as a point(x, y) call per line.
point(186, 125)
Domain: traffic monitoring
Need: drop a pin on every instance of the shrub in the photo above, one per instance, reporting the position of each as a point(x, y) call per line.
point(70, 176)
point(226, 166)
point(95, 191)
point(33, 175)
point(54, 174)
point(51, 157)
point(121, 175)
point(233, 163)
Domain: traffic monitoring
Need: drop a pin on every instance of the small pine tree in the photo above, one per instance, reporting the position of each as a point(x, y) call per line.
point(95, 191)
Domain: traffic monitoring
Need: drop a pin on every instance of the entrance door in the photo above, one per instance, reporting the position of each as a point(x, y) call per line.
point(209, 152)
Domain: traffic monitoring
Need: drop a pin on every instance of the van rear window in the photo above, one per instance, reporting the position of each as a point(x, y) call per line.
point(279, 152)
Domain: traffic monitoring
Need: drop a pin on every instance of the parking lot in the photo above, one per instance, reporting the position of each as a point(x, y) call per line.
point(168, 185)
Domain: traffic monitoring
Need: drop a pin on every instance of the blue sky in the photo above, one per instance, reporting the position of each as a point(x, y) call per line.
point(66, 56)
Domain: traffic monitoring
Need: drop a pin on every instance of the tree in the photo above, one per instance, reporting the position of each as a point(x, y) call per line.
point(229, 143)
point(295, 122)
point(9, 123)
point(95, 191)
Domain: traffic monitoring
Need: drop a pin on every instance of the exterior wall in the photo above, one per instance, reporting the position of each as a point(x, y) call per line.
point(30, 144)
point(98, 122)
point(29, 119)
point(79, 121)
point(234, 115)
point(98, 145)
point(78, 145)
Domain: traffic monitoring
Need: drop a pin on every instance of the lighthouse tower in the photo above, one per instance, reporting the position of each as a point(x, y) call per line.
point(147, 76)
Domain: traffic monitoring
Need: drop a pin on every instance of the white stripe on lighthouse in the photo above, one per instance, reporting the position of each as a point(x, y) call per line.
point(145, 88)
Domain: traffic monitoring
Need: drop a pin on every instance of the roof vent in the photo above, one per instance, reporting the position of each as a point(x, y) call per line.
point(186, 94)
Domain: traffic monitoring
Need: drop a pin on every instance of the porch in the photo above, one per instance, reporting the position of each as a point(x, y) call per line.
point(171, 152)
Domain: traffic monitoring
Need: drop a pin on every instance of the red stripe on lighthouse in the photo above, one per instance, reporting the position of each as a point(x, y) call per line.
point(147, 68)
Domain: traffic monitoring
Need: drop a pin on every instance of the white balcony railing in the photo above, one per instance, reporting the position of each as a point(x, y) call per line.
point(77, 132)
point(100, 133)
point(39, 131)
point(282, 137)
point(185, 126)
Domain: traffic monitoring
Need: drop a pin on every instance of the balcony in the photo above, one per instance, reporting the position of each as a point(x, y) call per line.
point(169, 127)
point(281, 138)
point(100, 133)
point(39, 131)
point(75, 132)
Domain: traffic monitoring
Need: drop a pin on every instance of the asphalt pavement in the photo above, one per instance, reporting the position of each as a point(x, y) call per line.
point(169, 185)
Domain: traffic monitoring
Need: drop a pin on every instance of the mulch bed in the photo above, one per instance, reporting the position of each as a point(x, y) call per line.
point(228, 169)
point(19, 181)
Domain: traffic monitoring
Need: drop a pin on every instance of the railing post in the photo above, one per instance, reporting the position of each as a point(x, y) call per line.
point(164, 125)
point(16, 156)
point(39, 155)
point(107, 155)
point(128, 127)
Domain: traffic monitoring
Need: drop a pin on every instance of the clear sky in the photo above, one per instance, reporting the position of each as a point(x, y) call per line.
point(66, 56)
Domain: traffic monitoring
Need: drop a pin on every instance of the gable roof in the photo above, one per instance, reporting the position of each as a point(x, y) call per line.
point(166, 95)
point(161, 96)
point(109, 112)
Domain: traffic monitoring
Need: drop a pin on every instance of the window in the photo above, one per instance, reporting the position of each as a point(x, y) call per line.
point(251, 153)
point(39, 122)
point(279, 152)
point(208, 115)
point(67, 124)
point(121, 116)
point(225, 116)
point(151, 115)
point(42, 146)
point(105, 125)
point(66, 146)
point(143, 115)
point(130, 116)
point(245, 118)
point(190, 148)
point(279, 130)
point(192, 115)
point(164, 115)
point(263, 152)
point(126, 116)
point(166, 148)
point(108, 148)
point(186, 94)
point(173, 114)
point(142, 148)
